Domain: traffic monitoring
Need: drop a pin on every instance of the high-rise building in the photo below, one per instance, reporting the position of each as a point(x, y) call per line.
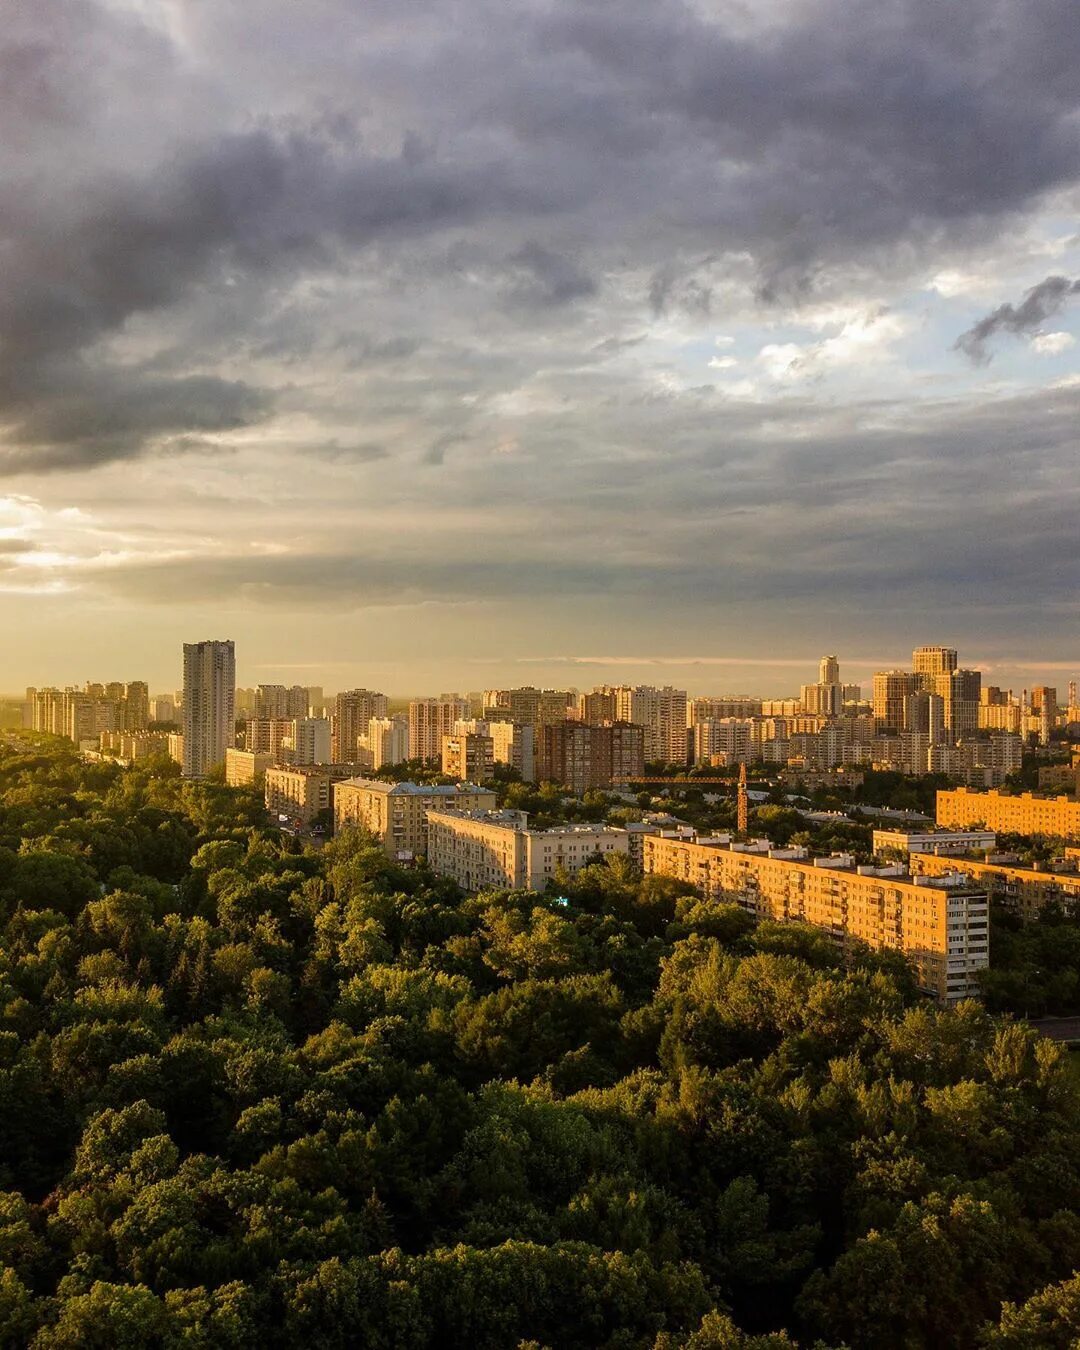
point(891, 690)
point(582, 757)
point(311, 740)
point(468, 756)
point(931, 661)
point(387, 741)
point(355, 709)
point(209, 705)
point(430, 719)
point(269, 736)
point(829, 670)
point(662, 715)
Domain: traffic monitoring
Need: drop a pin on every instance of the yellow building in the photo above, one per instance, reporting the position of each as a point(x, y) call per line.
point(469, 756)
point(942, 928)
point(1025, 814)
point(397, 812)
point(485, 849)
point(1024, 890)
point(296, 793)
point(245, 768)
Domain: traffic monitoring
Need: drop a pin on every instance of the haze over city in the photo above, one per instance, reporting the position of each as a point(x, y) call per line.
point(438, 348)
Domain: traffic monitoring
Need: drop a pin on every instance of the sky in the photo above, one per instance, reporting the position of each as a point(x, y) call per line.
point(433, 346)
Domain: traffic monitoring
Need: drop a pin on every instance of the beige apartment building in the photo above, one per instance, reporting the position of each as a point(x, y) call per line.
point(1023, 814)
point(354, 710)
point(133, 745)
point(943, 842)
point(1026, 891)
point(296, 793)
point(941, 926)
point(481, 850)
point(245, 768)
point(396, 813)
point(430, 719)
point(469, 756)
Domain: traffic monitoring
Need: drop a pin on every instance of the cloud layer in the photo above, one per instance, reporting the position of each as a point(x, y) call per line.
point(660, 299)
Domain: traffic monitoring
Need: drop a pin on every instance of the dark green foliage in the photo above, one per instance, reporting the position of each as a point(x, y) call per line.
point(252, 1096)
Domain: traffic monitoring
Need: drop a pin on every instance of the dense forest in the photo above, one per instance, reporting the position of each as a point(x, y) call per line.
point(252, 1095)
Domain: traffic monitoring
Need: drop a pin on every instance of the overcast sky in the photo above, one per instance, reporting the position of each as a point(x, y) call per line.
point(446, 345)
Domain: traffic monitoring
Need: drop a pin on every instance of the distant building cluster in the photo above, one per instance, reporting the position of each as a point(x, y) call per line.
point(317, 758)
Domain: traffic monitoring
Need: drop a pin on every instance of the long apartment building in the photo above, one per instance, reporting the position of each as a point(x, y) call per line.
point(940, 925)
point(1026, 891)
point(1022, 814)
point(396, 813)
point(484, 849)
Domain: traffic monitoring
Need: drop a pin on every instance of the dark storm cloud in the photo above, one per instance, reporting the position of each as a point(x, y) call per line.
point(243, 170)
point(1040, 303)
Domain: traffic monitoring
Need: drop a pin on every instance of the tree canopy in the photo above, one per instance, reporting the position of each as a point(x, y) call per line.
point(253, 1094)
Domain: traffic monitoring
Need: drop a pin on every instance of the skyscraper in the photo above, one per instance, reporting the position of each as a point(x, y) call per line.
point(931, 661)
point(209, 705)
point(829, 670)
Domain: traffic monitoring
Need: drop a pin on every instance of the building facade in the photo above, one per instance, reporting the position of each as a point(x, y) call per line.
point(585, 758)
point(941, 927)
point(209, 705)
point(497, 849)
point(1023, 814)
point(396, 813)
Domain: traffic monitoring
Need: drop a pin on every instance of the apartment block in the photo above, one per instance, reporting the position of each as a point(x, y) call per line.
point(497, 849)
point(941, 925)
point(943, 843)
point(396, 813)
point(269, 736)
point(209, 705)
point(1023, 814)
point(386, 742)
point(354, 710)
point(295, 794)
point(469, 756)
point(132, 746)
point(245, 768)
point(1025, 891)
point(583, 758)
point(430, 719)
point(663, 715)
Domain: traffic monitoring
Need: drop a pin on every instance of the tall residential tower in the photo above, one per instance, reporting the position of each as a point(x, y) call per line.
point(209, 705)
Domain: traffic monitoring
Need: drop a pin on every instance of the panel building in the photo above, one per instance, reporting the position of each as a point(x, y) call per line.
point(940, 924)
point(1024, 814)
point(354, 710)
point(582, 757)
point(209, 705)
point(430, 719)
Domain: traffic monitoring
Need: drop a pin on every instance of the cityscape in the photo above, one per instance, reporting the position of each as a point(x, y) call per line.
point(325, 763)
point(540, 675)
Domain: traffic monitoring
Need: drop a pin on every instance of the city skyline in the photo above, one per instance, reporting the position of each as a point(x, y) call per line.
point(771, 678)
point(507, 338)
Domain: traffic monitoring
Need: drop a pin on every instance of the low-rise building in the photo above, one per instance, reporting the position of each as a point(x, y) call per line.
point(1022, 814)
point(132, 746)
point(941, 925)
point(396, 813)
point(484, 849)
point(245, 768)
point(944, 842)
